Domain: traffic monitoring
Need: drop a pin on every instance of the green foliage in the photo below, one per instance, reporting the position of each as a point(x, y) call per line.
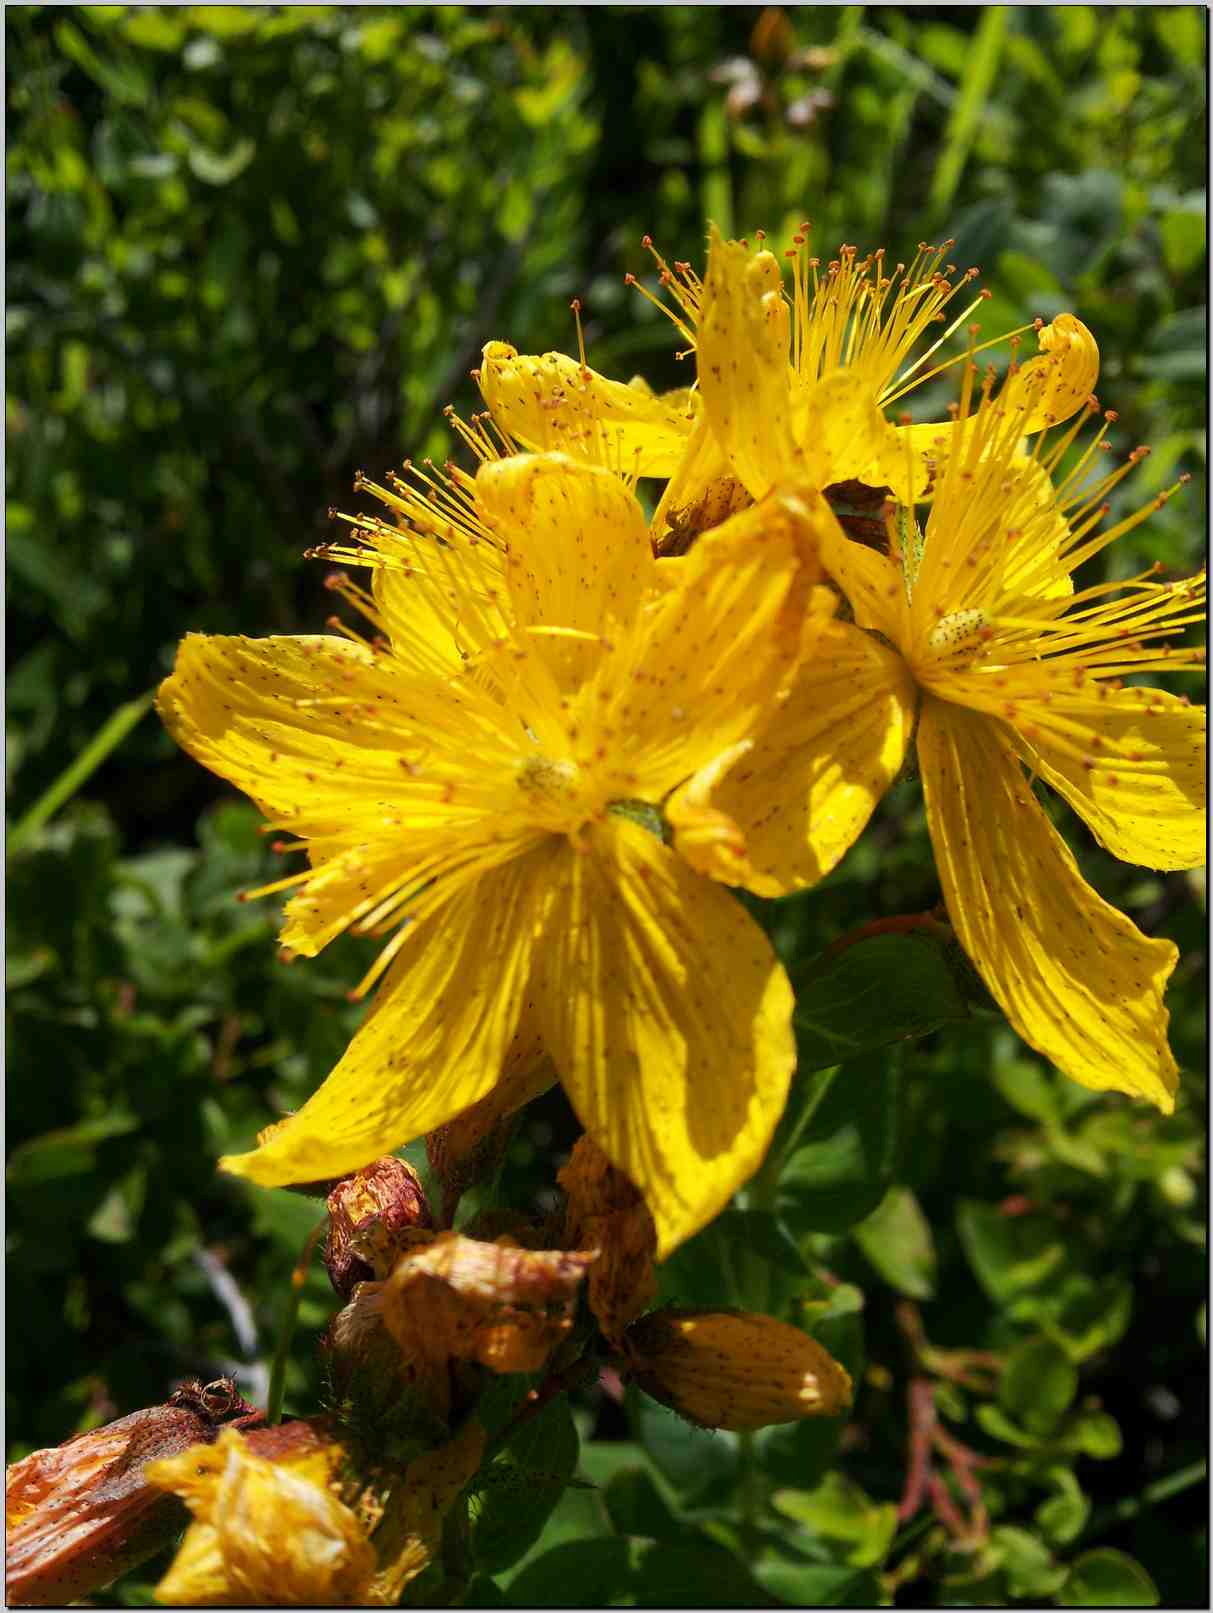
point(251, 248)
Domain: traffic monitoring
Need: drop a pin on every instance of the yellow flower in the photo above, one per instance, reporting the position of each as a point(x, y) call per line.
point(734, 1369)
point(788, 390)
point(973, 629)
point(495, 784)
point(264, 1532)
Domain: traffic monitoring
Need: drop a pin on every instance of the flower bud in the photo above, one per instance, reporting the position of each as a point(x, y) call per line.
point(471, 1147)
point(731, 1369)
point(607, 1214)
point(371, 1216)
point(375, 1384)
point(80, 1514)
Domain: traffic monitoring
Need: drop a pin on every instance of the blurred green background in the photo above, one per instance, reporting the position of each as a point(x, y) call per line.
point(252, 249)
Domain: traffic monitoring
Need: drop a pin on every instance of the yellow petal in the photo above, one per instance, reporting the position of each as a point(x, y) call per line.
point(669, 1019)
point(702, 493)
point(844, 437)
point(708, 657)
point(577, 557)
point(803, 794)
point(744, 375)
point(424, 606)
point(872, 583)
point(1076, 979)
point(435, 1038)
point(554, 402)
point(709, 839)
point(1142, 791)
point(297, 723)
point(1057, 383)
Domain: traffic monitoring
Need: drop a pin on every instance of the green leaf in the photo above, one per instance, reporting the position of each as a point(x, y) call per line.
point(1095, 1433)
point(897, 1240)
point(1011, 1255)
point(820, 1584)
point(1029, 1565)
point(692, 1572)
point(595, 1571)
point(692, 1459)
point(800, 1454)
point(71, 1151)
point(886, 989)
point(636, 1505)
point(847, 1155)
point(1064, 1515)
point(857, 1529)
point(745, 1259)
point(215, 168)
point(1107, 1578)
point(1183, 239)
point(523, 1485)
point(1038, 1384)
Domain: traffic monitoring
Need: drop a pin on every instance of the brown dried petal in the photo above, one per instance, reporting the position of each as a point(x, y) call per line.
point(607, 1214)
point(494, 1303)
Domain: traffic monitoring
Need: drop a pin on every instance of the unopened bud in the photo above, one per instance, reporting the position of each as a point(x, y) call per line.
point(80, 1514)
point(374, 1215)
point(732, 1369)
point(607, 1214)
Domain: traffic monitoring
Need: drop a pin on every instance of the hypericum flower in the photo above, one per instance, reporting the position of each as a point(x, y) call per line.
point(788, 391)
point(973, 629)
point(496, 784)
point(734, 1369)
point(78, 1515)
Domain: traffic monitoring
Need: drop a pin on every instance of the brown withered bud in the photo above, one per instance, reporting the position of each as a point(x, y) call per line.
point(382, 1387)
point(733, 1369)
point(494, 1303)
point(859, 511)
point(80, 1514)
point(373, 1215)
point(606, 1215)
point(469, 1148)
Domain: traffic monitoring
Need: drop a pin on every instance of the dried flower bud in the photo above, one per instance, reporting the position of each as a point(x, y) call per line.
point(494, 1303)
point(607, 1214)
point(469, 1148)
point(371, 1216)
point(379, 1386)
point(265, 1531)
point(79, 1514)
point(731, 1369)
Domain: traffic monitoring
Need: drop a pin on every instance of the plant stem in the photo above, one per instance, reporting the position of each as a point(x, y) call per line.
point(273, 1408)
point(1161, 1490)
point(108, 738)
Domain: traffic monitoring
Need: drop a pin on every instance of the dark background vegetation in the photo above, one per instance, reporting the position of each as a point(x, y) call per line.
point(252, 249)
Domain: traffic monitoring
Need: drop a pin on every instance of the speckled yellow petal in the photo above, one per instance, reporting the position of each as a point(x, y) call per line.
point(1141, 784)
point(553, 402)
point(577, 552)
point(844, 436)
point(297, 723)
point(871, 582)
point(708, 656)
point(669, 1019)
point(1057, 383)
point(1076, 979)
point(803, 794)
point(434, 1040)
point(744, 336)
